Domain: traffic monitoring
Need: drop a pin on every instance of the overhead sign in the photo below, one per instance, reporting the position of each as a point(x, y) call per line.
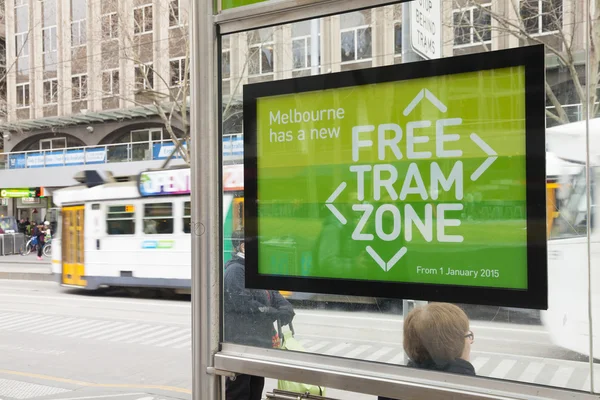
point(22, 193)
point(426, 28)
point(164, 182)
point(360, 183)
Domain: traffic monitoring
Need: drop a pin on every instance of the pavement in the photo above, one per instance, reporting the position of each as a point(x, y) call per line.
point(27, 267)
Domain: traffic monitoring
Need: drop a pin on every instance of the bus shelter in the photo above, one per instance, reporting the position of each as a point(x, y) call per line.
point(431, 117)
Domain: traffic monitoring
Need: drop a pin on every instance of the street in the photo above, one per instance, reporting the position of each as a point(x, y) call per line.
point(68, 344)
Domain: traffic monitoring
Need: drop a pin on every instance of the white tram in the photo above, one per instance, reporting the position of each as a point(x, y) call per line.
point(135, 233)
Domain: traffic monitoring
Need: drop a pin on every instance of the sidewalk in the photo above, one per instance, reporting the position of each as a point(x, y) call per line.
point(26, 268)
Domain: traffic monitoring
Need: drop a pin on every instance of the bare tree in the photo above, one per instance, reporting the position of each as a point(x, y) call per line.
point(545, 22)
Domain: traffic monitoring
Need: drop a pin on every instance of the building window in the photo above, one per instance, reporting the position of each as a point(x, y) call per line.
point(398, 39)
point(226, 64)
point(78, 33)
point(260, 48)
point(120, 220)
point(301, 50)
point(53, 144)
point(51, 91)
point(142, 17)
point(80, 87)
point(144, 77)
point(158, 218)
point(356, 44)
point(542, 16)
point(174, 13)
point(50, 39)
point(178, 72)
point(78, 22)
point(472, 25)
point(187, 217)
point(21, 44)
point(23, 95)
point(110, 83)
point(302, 45)
point(110, 26)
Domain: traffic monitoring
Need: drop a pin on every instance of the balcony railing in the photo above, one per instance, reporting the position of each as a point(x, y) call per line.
point(110, 153)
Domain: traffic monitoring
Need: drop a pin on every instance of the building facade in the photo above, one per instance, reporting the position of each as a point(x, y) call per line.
point(90, 78)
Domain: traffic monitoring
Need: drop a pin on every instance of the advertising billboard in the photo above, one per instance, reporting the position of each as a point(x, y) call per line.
point(386, 182)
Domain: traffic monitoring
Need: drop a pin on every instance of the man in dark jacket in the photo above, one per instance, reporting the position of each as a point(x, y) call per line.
point(249, 318)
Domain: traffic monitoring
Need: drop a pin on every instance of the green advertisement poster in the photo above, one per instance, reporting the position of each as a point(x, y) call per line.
point(425, 181)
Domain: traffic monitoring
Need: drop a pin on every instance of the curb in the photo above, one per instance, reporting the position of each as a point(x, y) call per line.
point(27, 276)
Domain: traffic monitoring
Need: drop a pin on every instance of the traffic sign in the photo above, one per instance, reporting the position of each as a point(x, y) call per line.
point(426, 28)
point(422, 181)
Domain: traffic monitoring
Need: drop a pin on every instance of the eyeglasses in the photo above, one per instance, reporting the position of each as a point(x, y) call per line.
point(470, 336)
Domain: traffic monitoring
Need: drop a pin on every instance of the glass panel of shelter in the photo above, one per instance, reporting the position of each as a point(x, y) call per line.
point(539, 347)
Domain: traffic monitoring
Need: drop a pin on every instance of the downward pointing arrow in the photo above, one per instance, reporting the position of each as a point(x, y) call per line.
point(492, 156)
point(390, 264)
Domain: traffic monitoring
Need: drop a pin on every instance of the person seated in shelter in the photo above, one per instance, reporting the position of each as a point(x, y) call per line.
point(437, 338)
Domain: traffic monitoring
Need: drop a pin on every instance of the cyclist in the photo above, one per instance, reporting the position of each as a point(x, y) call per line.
point(40, 234)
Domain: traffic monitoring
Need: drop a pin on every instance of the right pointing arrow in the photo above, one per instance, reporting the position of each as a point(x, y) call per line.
point(492, 156)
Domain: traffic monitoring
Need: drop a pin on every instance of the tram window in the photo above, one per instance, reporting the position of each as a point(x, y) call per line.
point(95, 206)
point(187, 217)
point(120, 220)
point(158, 218)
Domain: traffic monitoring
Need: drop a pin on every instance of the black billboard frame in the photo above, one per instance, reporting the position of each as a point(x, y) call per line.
point(532, 58)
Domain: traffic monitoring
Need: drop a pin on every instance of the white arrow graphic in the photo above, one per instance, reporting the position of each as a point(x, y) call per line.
point(332, 198)
point(424, 93)
point(390, 264)
point(492, 156)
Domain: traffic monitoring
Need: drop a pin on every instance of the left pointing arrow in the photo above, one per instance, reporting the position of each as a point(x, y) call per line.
point(332, 208)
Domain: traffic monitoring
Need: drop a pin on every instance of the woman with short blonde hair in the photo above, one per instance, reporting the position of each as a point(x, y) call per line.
point(437, 337)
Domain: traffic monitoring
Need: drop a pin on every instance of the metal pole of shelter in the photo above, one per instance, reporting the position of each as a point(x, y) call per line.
point(205, 201)
point(408, 55)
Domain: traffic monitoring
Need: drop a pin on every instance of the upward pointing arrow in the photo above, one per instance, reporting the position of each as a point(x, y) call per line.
point(492, 156)
point(425, 94)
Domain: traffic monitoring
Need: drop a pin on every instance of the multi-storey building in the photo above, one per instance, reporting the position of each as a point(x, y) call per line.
point(87, 74)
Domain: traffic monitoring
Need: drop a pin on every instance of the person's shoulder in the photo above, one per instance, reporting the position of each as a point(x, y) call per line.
point(460, 366)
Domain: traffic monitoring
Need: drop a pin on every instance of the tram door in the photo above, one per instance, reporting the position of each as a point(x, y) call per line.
point(73, 266)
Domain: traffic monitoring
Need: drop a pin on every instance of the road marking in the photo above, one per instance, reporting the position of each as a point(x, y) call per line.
point(479, 362)
point(317, 347)
point(187, 338)
point(16, 319)
point(160, 331)
point(115, 326)
point(503, 368)
point(360, 349)
point(132, 332)
point(337, 349)
point(379, 353)
point(24, 322)
point(184, 332)
point(562, 376)
point(531, 372)
point(88, 328)
point(115, 332)
point(397, 360)
point(50, 324)
point(98, 385)
point(305, 342)
point(66, 326)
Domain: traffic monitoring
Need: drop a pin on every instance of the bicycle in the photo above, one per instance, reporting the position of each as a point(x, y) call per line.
point(28, 246)
point(47, 249)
